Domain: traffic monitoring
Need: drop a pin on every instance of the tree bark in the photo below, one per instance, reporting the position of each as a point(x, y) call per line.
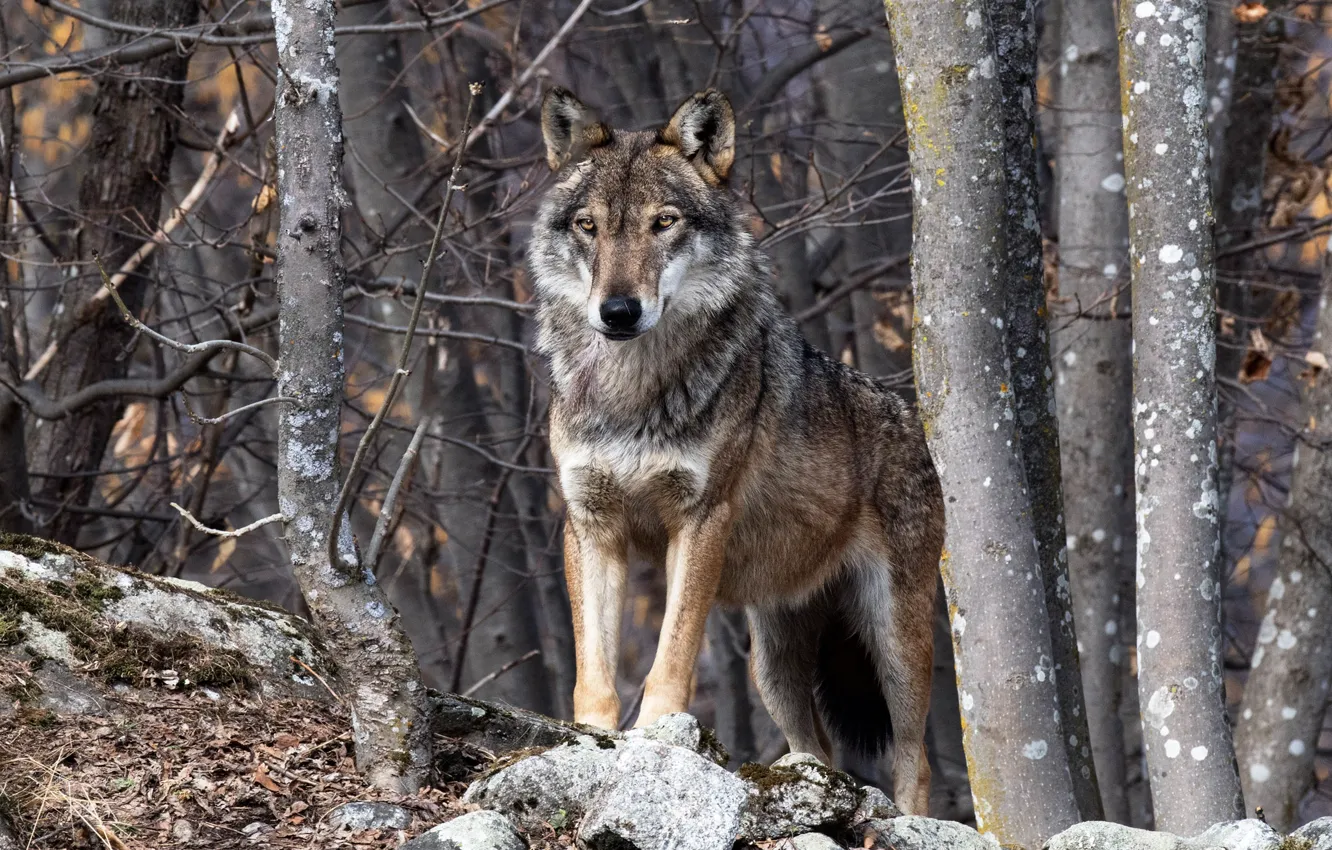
point(1017, 763)
point(14, 488)
point(1240, 156)
point(1093, 369)
point(133, 139)
point(1287, 692)
point(1190, 754)
point(378, 668)
point(1028, 348)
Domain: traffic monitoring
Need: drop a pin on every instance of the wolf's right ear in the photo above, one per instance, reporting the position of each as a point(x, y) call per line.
point(569, 128)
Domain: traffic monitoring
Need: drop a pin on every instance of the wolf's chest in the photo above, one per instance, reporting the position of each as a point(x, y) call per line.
point(612, 476)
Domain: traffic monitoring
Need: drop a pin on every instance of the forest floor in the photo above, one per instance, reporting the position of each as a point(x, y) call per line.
point(160, 768)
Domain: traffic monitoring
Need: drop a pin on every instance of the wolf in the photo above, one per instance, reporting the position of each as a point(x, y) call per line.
point(693, 425)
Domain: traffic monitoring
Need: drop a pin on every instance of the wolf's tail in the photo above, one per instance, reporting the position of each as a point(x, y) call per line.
point(848, 691)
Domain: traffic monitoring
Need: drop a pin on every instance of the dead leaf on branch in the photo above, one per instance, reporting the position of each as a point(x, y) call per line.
point(1257, 360)
point(1250, 13)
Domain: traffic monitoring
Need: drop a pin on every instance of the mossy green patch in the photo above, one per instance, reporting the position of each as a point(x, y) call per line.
point(116, 653)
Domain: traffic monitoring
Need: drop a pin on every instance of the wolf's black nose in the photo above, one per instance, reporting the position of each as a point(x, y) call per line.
point(621, 313)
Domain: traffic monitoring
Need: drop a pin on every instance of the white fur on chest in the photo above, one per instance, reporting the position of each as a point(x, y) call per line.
point(633, 465)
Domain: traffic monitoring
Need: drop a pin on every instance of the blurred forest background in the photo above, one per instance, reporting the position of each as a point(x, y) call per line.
point(156, 157)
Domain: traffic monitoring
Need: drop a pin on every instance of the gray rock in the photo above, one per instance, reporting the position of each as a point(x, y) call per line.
point(662, 797)
point(1317, 833)
point(559, 783)
point(797, 794)
point(476, 831)
point(874, 805)
point(362, 815)
point(1248, 834)
point(911, 832)
point(1098, 835)
point(811, 841)
point(684, 730)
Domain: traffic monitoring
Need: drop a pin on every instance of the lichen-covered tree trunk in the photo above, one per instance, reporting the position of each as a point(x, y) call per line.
point(1190, 754)
point(1094, 373)
point(1014, 26)
point(1017, 761)
point(1287, 692)
point(377, 667)
point(120, 199)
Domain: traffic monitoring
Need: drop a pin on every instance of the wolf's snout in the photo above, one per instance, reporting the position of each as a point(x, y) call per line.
point(620, 314)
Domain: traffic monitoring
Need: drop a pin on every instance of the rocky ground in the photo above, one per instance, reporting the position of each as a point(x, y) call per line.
point(142, 712)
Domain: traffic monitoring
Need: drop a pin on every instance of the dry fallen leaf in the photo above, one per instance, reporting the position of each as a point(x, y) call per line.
point(261, 776)
point(1316, 359)
point(1249, 13)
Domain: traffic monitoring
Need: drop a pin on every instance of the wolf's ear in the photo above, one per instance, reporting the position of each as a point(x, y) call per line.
point(569, 128)
point(703, 128)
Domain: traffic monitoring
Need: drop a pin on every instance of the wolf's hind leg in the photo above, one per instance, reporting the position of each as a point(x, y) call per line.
point(784, 649)
point(893, 614)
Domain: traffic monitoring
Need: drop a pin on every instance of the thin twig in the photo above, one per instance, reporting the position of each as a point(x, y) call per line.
point(187, 347)
point(490, 677)
point(217, 420)
point(212, 165)
point(319, 677)
point(217, 532)
point(401, 372)
point(391, 498)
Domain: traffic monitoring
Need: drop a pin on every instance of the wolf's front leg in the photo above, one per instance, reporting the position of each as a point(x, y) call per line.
point(694, 563)
point(595, 565)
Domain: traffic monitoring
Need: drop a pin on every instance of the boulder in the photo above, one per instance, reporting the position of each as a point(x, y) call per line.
point(812, 841)
point(1099, 835)
point(475, 831)
point(663, 797)
point(1317, 835)
point(557, 784)
point(1248, 834)
point(797, 794)
point(911, 832)
point(367, 815)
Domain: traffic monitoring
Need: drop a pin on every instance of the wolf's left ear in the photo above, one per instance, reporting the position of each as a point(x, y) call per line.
point(569, 128)
point(703, 128)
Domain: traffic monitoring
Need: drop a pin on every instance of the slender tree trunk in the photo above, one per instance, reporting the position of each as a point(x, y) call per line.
point(728, 640)
point(377, 667)
point(133, 138)
point(1190, 754)
point(1029, 352)
point(13, 453)
point(1287, 692)
point(1093, 368)
point(1243, 134)
point(1017, 761)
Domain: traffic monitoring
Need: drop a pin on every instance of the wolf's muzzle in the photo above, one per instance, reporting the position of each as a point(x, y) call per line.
point(620, 315)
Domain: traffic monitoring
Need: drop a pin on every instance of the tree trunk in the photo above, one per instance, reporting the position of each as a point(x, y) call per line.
point(1190, 754)
point(728, 642)
point(378, 669)
point(13, 454)
point(1245, 130)
point(133, 138)
point(1287, 692)
point(1017, 762)
point(1093, 367)
point(1029, 352)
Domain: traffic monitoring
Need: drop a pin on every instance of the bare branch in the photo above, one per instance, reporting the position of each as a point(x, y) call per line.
point(210, 169)
point(217, 532)
point(391, 498)
point(401, 372)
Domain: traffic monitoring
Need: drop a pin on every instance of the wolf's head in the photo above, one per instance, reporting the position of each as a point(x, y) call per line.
point(639, 223)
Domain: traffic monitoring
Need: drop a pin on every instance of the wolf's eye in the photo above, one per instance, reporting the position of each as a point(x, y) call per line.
point(586, 224)
point(664, 221)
